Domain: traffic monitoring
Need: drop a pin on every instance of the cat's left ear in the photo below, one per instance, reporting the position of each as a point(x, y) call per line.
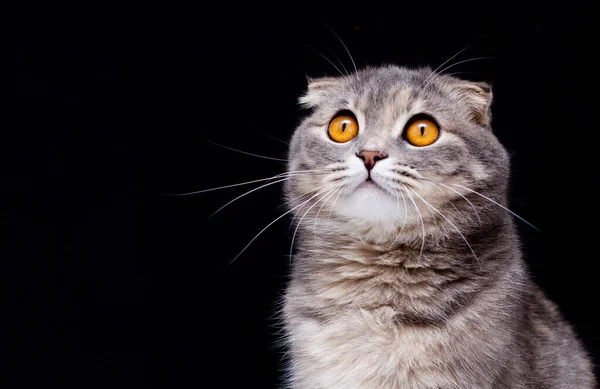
point(478, 97)
point(317, 88)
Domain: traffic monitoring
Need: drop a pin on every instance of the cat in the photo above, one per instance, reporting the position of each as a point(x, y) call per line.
point(408, 272)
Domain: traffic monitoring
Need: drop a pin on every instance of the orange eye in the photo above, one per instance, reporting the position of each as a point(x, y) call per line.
point(422, 132)
point(343, 128)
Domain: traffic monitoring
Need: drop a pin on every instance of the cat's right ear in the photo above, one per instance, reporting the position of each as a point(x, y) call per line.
point(317, 88)
point(478, 97)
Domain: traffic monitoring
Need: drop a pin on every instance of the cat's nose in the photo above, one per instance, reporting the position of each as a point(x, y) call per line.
point(371, 157)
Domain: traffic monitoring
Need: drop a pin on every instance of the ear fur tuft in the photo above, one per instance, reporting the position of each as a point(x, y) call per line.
point(478, 96)
point(317, 87)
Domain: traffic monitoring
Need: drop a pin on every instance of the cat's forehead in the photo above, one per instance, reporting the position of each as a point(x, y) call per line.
point(401, 96)
point(375, 89)
point(391, 78)
point(388, 93)
point(379, 85)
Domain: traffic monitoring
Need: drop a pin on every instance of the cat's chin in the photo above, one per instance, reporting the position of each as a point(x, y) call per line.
point(370, 202)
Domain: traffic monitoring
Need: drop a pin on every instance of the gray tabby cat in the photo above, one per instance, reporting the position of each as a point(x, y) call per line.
point(408, 272)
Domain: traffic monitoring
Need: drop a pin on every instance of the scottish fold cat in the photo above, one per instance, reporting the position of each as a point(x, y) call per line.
point(408, 272)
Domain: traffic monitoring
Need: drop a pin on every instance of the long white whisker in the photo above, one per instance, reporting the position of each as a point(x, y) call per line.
point(302, 218)
point(433, 74)
point(454, 64)
point(245, 152)
point(327, 59)
point(442, 192)
point(272, 137)
point(247, 193)
point(245, 183)
point(436, 187)
point(464, 61)
point(269, 225)
point(473, 73)
point(449, 222)
point(218, 188)
point(319, 190)
point(498, 204)
point(461, 195)
point(397, 204)
point(285, 204)
point(346, 48)
point(306, 171)
point(397, 212)
point(334, 201)
point(341, 63)
point(320, 208)
point(405, 211)
point(422, 223)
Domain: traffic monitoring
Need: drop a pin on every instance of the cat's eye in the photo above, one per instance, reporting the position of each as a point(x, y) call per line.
point(343, 128)
point(421, 132)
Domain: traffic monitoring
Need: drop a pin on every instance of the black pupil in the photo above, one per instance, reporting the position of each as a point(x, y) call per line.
point(423, 129)
point(344, 124)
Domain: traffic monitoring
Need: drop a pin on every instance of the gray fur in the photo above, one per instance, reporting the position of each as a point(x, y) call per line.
point(375, 303)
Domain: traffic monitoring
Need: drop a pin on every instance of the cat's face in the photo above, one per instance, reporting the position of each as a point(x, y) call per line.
point(389, 145)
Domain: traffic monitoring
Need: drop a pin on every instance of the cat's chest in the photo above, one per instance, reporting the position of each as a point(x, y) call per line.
point(365, 349)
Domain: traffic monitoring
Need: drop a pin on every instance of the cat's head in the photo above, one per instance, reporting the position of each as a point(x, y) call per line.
point(391, 145)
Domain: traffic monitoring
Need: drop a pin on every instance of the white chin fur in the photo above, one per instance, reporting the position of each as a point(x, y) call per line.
point(368, 202)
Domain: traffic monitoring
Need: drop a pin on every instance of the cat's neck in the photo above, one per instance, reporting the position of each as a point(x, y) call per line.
point(423, 280)
point(432, 243)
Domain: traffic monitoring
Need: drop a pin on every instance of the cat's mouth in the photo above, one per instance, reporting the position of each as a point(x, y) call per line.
point(380, 185)
point(370, 183)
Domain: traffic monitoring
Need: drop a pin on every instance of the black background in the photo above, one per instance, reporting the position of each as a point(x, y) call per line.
point(111, 284)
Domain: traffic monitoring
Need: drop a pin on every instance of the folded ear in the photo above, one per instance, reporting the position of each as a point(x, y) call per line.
point(478, 97)
point(317, 88)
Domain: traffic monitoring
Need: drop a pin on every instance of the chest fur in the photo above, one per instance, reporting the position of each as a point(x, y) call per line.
point(366, 349)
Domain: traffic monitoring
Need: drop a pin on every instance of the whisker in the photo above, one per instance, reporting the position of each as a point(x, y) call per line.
point(473, 73)
point(454, 64)
point(397, 203)
point(334, 201)
point(461, 195)
point(405, 211)
point(340, 62)
point(449, 201)
point(243, 183)
point(285, 204)
point(330, 169)
point(466, 60)
point(498, 204)
point(327, 59)
point(218, 188)
point(405, 216)
point(247, 193)
point(346, 48)
point(433, 74)
point(302, 218)
point(245, 152)
point(269, 225)
point(452, 224)
point(319, 211)
point(318, 190)
point(272, 137)
point(422, 223)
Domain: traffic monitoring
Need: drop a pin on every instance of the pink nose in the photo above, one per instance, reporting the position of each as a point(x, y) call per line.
point(370, 157)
